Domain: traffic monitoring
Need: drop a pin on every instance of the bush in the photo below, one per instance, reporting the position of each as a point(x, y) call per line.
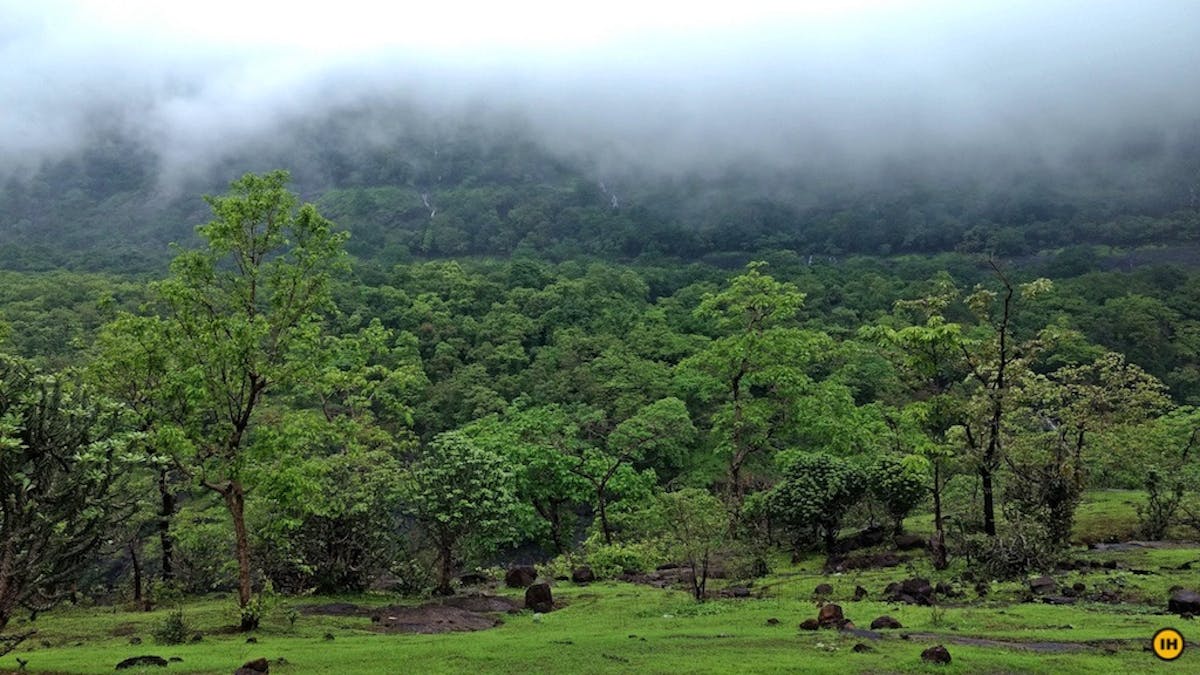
point(1019, 548)
point(816, 492)
point(1163, 497)
point(174, 629)
point(610, 560)
point(898, 485)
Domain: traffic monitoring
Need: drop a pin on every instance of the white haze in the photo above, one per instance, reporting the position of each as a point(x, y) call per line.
point(653, 86)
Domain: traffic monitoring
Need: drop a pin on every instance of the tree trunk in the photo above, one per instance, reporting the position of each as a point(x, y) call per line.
point(937, 546)
point(446, 569)
point(235, 500)
point(989, 504)
point(165, 513)
point(603, 504)
point(137, 577)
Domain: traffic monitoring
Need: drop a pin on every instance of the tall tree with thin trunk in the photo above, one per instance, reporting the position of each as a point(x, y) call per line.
point(242, 310)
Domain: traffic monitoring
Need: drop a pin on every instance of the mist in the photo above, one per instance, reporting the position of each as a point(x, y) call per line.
point(847, 90)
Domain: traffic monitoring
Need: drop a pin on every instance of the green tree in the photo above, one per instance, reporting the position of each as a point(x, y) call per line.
point(64, 465)
point(456, 490)
point(693, 525)
point(241, 309)
point(814, 495)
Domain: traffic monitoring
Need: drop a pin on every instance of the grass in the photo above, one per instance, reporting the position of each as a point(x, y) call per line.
point(616, 627)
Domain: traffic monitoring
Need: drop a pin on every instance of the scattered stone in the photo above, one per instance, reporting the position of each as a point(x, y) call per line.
point(251, 640)
point(831, 616)
point(908, 542)
point(938, 654)
point(1079, 587)
point(871, 536)
point(431, 618)
point(539, 599)
point(982, 588)
point(915, 591)
point(135, 640)
point(885, 621)
point(772, 621)
point(197, 637)
point(176, 659)
point(520, 576)
point(859, 648)
point(823, 589)
point(1058, 600)
point(862, 562)
point(582, 575)
point(255, 667)
point(328, 637)
point(739, 592)
point(1042, 585)
point(945, 589)
point(810, 624)
point(1184, 601)
point(473, 579)
point(142, 661)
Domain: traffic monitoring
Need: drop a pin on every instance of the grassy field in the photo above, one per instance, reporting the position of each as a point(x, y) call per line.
point(618, 627)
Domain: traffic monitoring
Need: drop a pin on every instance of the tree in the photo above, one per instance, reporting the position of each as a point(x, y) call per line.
point(693, 525)
point(64, 461)
point(241, 309)
point(754, 369)
point(456, 491)
point(898, 485)
point(814, 495)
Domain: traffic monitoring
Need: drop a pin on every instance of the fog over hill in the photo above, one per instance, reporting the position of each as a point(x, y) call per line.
point(819, 105)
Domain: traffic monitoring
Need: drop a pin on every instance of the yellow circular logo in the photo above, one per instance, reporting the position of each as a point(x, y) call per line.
point(1168, 644)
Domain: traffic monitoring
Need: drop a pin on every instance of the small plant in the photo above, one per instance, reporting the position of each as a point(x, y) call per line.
point(292, 615)
point(1163, 497)
point(260, 605)
point(174, 630)
point(937, 616)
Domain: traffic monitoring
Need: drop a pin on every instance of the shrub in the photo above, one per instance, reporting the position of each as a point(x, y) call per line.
point(1163, 497)
point(610, 560)
point(174, 630)
point(898, 485)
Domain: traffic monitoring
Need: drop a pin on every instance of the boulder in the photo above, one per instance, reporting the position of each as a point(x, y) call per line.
point(938, 654)
point(255, 667)
point(860, 593)
point(915, 591)
point(142, 662)
point(885, 621)
point(1184, 601)
point(944, 589)
point(1042, 585)
point(908, 542)
point(582, 575)
point(831, 616)
point(809, 624)
point(772, 621)
point(1079, 587)
point(539, 599)
point(520, 576)
point(823, 589)
point(859, 648)
point(473, 579)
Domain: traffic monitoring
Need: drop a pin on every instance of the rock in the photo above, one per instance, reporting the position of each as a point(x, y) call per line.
point(908, 542)
point(1184, 601)
point(539, 599)
point(831, 616)
point(255, 667)
point(1042, 585)
point(860, 593)
point(197, 637)
point(739, 592)
point(859, 648)
point(944, 589)
point(809, 624)
point(885, 621)
point(823, 589)
point(982, 588)
point(251, 640)
point(142, 661)
point(871, 536)
point(938, 654)
point(582, 575)
point(135, 640)
point(176, 659)
point(1058, 600)
point(915, 591)
point(772, 621)
point(1079, 587)
point(520, 576)
point(328, 637)
point(473, 579)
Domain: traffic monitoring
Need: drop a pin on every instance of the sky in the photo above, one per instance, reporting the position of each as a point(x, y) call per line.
point(664, 85)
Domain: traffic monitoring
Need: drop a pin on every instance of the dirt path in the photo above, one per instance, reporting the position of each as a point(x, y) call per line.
point(1033, 646)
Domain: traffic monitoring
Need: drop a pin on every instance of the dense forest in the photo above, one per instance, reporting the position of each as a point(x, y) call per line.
point(273, 414)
